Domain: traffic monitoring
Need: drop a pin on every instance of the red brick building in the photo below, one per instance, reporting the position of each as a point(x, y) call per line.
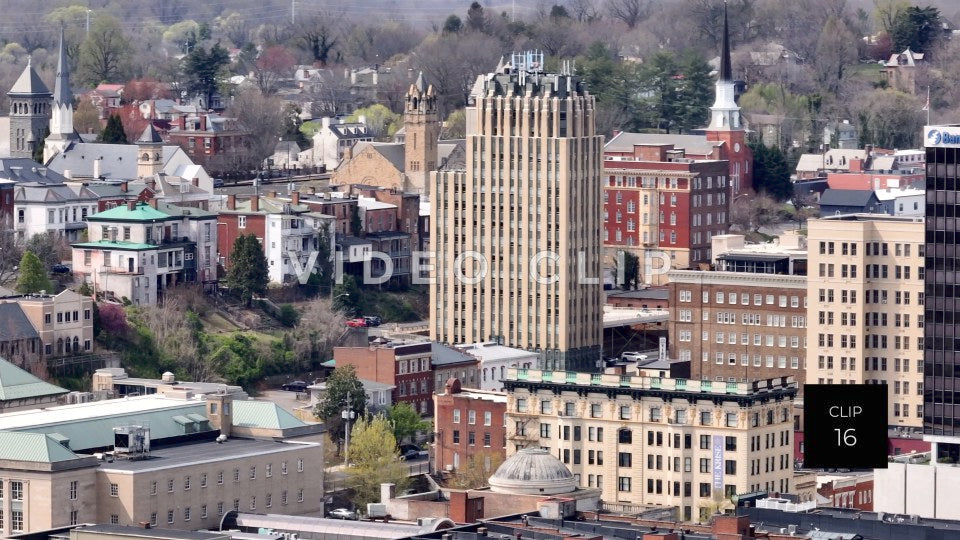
point(407, 367)
point(849, 492)
point(469, 423)
point(657, 199)
point(209, 139)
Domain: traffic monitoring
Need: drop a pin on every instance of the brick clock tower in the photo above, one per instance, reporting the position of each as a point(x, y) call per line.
point(725, 123)
point(421, 126)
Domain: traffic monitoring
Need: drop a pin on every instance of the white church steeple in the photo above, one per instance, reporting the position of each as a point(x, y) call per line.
point(61, 119)
point(725, 113)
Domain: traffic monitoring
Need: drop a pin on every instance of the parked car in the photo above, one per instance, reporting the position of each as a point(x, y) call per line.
point(218, 182)
point(373, 320)
point(357, 323)
point(410, 455)
point(343, 513)
point(60, 269)
point(407, 447)
point(295, 386)
point(631, 355)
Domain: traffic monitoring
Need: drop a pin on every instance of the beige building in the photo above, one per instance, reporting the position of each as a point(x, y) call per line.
point(657, 441)
point(865, 316)
point(93, 462)
point(517, 231)
point(64, 321)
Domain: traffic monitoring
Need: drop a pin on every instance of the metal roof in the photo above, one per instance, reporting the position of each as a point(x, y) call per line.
point(328, 528)
point(140, 532)
point(119, 245)
point(209, 451)
point(141, 212)
point(16, 383)
point(29, 83)
point(263, 414)
point(14, 324)
point(846, 197)
point(35, 447)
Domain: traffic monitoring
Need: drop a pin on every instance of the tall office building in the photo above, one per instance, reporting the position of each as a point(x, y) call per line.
point(517, 232)
point(941, 370)
point(865, 319)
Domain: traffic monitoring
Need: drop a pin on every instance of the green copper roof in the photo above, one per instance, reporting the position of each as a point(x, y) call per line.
point(36, 447)
point(142, 212)
point(106, 244)
point(16, 383)
point(263, 414)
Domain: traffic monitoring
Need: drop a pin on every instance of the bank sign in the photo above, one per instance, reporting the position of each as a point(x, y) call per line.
point(941, 136)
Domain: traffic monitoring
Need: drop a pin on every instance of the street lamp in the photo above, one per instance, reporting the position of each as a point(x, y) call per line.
point(348, 415)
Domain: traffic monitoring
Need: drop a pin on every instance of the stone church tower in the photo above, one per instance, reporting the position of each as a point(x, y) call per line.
point(149, 152)
point(61, 118)
point(421, 125)
point(30, 102)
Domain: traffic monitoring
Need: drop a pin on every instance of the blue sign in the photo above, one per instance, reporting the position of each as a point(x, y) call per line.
point(937, 137)
point(718, 462)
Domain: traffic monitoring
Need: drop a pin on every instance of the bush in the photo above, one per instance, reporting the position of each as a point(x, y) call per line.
point(288, 316)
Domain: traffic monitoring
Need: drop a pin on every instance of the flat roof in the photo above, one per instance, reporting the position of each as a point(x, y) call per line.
point(129, 530)
point(488, 351)
point(328, 528)
point(496, 397)
point(203, 452)
point(95, 409)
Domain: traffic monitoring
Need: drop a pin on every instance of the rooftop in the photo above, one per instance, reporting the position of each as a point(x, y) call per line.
point(171, 457)
point(140, 532)
point(118, 244)
point(443, 355)
point(142, 212)
point(490, 351)
point(35, 447)
point(16, 383)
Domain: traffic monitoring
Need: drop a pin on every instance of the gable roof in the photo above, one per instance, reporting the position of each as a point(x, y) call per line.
point(693, 144)
point(847, 197)
point(29, 83)
point(28, 170)
point(51, 193)
point(16, 383)
point(35, 447)
point(392, 152)
point(262, 414)
point(14, 324)
point(118, 161)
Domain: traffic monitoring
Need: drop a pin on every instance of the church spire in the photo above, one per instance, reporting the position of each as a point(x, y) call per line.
point(726, 71)
point(61, 91)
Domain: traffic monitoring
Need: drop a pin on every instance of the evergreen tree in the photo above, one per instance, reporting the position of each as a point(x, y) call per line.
point(38, 149)
point(33, 276)
point(113, 132)
point(344, 390)
point(204, 70)
point(452, 25)
point(248, 268)
point(476, 18)
point(915, 27)
point(771, 174)
point(695, 92)
point(658, 82)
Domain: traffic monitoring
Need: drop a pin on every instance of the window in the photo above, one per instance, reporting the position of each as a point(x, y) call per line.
point(220, 477)
point(203, 511)
point(253, 503)
point(153, 518)
point(624, 412)
point(169, 516)
point(242, 222)
point(625, 459)
point(253, 473)
point(456, 416)
point(186, 482)
point(623, 483)
point(114, 490)
point(203, 480)
point(300, 465)
point(170, 485)
point(186, 514)
point(73, 490)
point(236, 475)
point(487, 418)
point(114, 519)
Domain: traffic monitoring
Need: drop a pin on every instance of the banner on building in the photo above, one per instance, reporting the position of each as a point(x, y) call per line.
point(718, 462)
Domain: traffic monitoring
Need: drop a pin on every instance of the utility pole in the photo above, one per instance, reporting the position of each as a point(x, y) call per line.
point(513, 10)
point(88, 21)
point(293, 12)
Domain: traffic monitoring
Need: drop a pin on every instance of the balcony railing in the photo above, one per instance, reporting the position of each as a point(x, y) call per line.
point(653, 383)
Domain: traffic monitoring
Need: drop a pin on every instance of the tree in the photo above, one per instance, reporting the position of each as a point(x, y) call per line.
point(456, 125)
point(113, 132)
point(771, 175)
point(33, 276)
point(751, 213)
point(477, 471)
point(836, 50)
point(374, 460)
point(38, 149)
point(344, 392)
point(381, 121)
point(406, 421)
point(274, 64)
point(631, 270)
point(47, 247)
point(10, 251)
point(476, 18)
point(248, 274)
point(184, 35)
point(264, 117)
point(915, 27)
point(695, 89)
point(658, 79)
point(452, 25)
point(316, 333)
point(204, 70)
point(317, 35)
point(104, 53)
point(630, 12)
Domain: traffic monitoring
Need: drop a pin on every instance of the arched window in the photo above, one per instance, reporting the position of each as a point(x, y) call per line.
point(59, 345)
point(76, 344)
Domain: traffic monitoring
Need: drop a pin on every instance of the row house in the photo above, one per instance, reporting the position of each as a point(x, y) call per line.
point(288, 231)
point(341, 207)
point(657, 200)
point(138, 250)
point(59, 209)
point(468, 424)
point(406, 366)
point(208, 138)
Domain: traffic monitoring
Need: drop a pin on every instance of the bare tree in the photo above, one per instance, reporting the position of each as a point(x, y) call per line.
point(320, 35)
point(584, 10)
point(10, 251)
point(751, 213)
point(451, 64)
point(317, 332)
point(234, 27)
point(263, 116)
point(630, 12)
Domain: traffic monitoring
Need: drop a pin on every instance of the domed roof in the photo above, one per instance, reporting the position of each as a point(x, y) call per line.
point(532, 471)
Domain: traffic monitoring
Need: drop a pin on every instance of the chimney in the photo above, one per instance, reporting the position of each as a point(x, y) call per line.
point(387, 492)
point(273, 194)
point(96, 168)
point(231, 202)
point(131, 205)
point(313, 190)
point(153, 203)
point(203, 122)
point(182, 122)
point(325, 122)
point(295, 197)
point(254, 203)
point(220, 411)
point(68, 174)
point(152, 184)
point(123, 186)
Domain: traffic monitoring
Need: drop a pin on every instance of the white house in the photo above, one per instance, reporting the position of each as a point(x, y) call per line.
point(495, 359)
point(138, 250)
point(334, 138)
point(60, 209)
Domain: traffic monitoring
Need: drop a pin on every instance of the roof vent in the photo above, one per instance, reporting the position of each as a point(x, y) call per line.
point(167, 377)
